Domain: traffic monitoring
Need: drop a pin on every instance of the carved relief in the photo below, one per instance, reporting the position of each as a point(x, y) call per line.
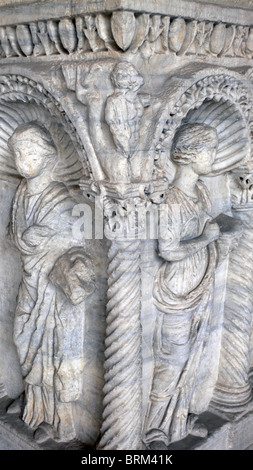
point(49, 327)
point(124, 108)
point(22, 90)
point(123, 367)
point(233, 394)
point(139, 126)
point(184, 289)
point(126, 31)
point(221, 94)
point(115, 115)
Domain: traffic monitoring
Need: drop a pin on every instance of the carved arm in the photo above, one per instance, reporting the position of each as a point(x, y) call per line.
point(185, 248)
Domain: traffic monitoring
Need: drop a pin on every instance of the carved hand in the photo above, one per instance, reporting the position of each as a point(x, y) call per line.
point(73, 274)
point(211, 232)
point(231, 231)
point(37, 235)
point(177, 250)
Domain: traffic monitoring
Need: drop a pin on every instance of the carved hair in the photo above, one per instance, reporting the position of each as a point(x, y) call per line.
point(33, 132)
point(125, 68)
point(189, 139)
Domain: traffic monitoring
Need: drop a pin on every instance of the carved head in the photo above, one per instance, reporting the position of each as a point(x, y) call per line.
point(241, 186)
point(90, 83)
point(245, 181)
point(33, 148)
point(125, 76)
point(195, 144)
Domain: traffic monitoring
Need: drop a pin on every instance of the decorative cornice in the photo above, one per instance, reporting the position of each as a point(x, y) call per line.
point(32, 10)
point(125, 31)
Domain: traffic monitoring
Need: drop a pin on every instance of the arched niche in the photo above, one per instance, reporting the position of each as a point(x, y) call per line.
point(224, 102)
point(22, 100)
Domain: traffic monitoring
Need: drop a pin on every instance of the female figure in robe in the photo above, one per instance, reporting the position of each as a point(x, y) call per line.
point(183, 290)
point(57, 275)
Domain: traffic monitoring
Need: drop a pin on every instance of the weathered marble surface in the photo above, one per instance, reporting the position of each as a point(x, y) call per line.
point(115, 334)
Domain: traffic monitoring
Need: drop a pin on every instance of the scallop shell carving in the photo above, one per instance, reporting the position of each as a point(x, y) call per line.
point(234, 139)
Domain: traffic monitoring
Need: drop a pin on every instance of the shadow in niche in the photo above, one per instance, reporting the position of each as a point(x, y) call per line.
point(212, 423)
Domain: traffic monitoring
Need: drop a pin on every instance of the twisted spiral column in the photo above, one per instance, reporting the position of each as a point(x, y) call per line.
point(233, 389)
point(121, 428)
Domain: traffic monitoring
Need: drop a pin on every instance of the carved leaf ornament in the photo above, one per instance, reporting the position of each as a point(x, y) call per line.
point(67, 33)
point(24, 38)
point(125, 31)
point(123, 28)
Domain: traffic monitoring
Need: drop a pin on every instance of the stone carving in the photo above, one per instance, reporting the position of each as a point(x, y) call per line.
point(57, 277)
point(183, 290)
point(233, 394)
point(126, 31)
point(220, 91)
point(149, 113)
point(113, 118)
point(124, 108)
point(123, 350)
point(2, 391)
point(123, 28)
point(123, 364)
point(21, 89)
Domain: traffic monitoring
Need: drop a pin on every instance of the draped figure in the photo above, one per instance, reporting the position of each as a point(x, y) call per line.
point(57, 276)
point(183, 290)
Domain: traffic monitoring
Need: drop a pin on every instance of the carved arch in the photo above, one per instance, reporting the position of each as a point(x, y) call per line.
point(223, 98)
point(24, 100)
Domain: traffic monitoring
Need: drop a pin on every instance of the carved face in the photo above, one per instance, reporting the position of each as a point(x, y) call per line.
point(203, 163)
point(127, 78)
point(245, 181)
point(30, 159)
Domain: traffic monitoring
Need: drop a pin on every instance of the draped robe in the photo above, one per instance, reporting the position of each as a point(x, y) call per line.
point(183, 292)
point(48, 329)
